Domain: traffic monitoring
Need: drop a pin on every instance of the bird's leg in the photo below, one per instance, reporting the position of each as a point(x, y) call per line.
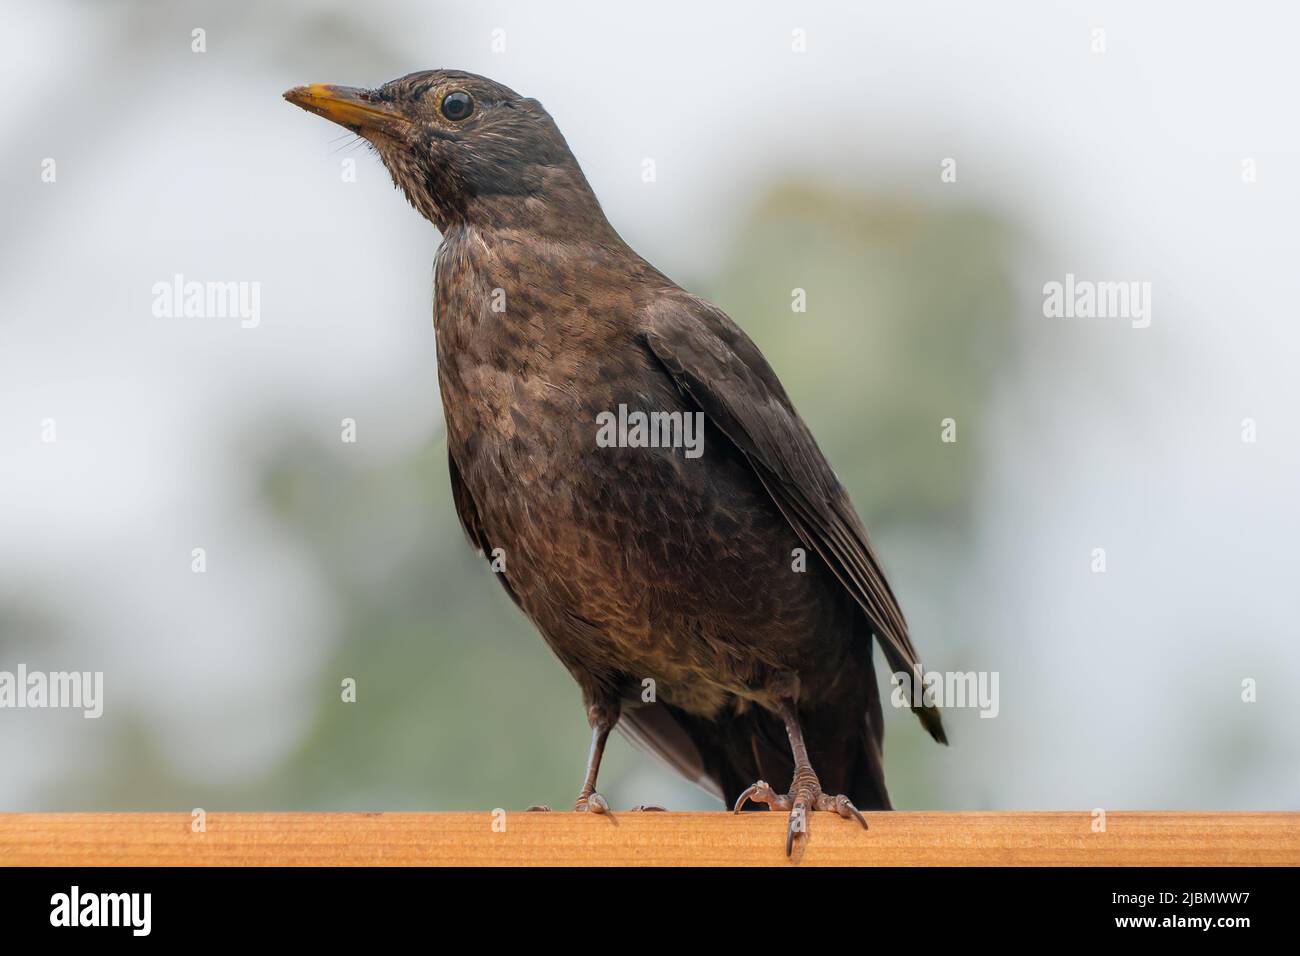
point(602, 714)
point(805, 789)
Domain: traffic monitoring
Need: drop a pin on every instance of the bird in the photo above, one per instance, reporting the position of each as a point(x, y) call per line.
point(716, 603)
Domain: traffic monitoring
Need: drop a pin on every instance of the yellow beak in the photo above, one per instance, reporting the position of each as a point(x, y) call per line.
point(352, 108)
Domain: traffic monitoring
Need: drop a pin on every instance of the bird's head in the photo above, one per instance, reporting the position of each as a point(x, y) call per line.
point(463, 148)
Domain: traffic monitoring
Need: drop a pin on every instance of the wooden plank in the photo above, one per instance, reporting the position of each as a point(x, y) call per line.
point(646, 839)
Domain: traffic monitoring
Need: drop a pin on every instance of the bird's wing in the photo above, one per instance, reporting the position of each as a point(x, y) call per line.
point(469, 520)
point(718, 368)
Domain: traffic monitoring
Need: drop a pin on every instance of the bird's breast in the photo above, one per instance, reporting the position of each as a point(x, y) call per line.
point(654, 531)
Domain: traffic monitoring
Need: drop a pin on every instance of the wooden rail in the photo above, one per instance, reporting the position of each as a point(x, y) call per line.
point(645, 839)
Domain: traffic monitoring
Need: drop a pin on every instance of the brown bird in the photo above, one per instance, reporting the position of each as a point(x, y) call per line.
point(664, 573)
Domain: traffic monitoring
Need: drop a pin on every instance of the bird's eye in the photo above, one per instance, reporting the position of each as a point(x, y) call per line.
point(456, 106)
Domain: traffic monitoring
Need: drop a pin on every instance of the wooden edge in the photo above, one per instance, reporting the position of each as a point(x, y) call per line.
point(517, 838)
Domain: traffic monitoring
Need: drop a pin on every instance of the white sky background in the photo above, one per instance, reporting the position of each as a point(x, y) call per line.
point(1120, 166)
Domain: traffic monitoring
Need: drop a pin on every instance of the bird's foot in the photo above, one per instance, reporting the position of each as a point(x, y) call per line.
point(591, 803)
point(805, 794)
point(595, 803)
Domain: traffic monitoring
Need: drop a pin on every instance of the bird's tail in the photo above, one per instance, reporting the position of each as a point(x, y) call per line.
point(866, 786)
point(927, 713)
point(728, 753)
point(735, 752)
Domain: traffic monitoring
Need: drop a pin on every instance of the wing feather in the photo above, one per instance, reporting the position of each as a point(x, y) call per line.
point(716, 365)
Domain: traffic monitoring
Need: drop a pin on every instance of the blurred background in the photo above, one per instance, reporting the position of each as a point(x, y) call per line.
point(775, 168)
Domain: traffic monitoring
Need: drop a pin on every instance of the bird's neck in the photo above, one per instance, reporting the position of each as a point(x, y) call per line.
point(547, 219)
point(504, 281)
point(553, 201)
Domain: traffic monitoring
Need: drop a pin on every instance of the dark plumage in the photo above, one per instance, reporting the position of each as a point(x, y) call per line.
point(636, 563)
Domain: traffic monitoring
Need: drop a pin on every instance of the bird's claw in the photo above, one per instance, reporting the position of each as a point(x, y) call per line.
point(587, 803)
point(762, 792)
point(648, 808)
point(843, 806)
point(591, 803)
point(803, 796)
